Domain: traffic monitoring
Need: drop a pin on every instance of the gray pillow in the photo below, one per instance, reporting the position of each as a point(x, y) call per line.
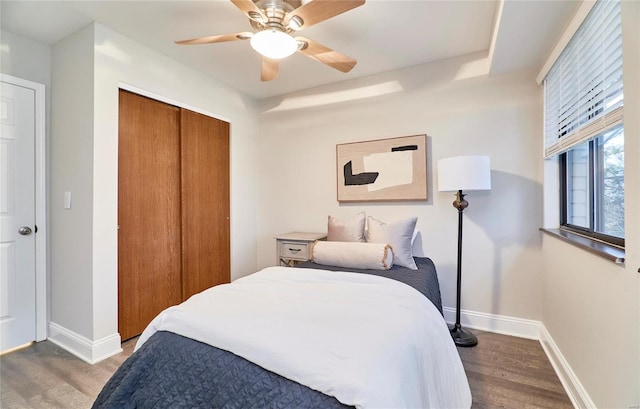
point(351, 230)
point(398, 235)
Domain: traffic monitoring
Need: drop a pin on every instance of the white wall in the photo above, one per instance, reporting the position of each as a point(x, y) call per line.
point(72, 171)
point(631, 27)
point(85, 296)
point(463, 111)
point(24, 58)
point(592, 306)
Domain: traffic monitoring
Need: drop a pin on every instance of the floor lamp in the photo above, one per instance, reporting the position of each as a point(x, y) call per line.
point(456, 174)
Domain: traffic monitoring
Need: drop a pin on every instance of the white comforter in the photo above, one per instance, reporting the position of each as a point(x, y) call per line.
point(369, 341)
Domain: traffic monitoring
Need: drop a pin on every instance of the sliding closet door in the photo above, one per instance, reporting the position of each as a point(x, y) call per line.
point(149, 265)
point(205, 202)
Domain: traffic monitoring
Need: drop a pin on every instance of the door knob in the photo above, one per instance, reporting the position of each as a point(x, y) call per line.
point(24, 230)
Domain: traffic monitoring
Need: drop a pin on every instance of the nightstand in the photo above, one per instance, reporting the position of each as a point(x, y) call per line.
point(295, 247)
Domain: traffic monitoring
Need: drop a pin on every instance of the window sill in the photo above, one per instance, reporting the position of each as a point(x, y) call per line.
point(598, 248)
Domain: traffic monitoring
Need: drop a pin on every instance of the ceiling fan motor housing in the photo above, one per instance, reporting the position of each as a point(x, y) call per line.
point(275, 11)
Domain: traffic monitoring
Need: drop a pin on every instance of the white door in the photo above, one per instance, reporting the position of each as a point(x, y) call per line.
point(17, 216)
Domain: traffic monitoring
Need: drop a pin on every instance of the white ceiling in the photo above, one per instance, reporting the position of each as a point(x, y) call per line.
point(382, 35)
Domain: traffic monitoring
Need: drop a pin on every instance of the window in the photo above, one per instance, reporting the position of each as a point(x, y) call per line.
point(592, 184)
point(583, 125)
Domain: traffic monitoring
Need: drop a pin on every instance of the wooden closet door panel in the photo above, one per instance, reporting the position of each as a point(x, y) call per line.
point(149, 269)
point(205, 202)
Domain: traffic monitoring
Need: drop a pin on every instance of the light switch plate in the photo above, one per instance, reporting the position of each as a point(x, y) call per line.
point(67, 200)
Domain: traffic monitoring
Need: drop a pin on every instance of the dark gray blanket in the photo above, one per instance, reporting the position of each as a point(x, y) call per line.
point(171, 371)
point(424, 279)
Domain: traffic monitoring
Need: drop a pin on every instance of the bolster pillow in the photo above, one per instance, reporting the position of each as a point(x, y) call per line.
point(375, 256)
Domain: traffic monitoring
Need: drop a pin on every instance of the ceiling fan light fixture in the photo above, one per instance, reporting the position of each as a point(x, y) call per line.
point(274, 44)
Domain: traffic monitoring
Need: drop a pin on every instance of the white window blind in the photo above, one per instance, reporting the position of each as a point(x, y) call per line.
point(583, 89)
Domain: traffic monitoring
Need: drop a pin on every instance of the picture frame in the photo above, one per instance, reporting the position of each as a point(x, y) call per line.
point(393, 169)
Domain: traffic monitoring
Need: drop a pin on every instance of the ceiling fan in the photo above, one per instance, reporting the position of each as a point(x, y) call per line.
point(275, 21)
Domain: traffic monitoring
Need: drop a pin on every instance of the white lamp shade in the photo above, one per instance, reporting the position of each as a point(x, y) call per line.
point(464, 173)
point(274, 44)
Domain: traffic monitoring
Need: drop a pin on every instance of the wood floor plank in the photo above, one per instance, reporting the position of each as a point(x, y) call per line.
point(26, 372)
point(61, 396)
point(11, 399)
point(503, 372)
point(510, 372)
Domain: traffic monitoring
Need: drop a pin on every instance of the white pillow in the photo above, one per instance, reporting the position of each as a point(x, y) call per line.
point(375, 256)
point(351, 230)
point(398, 235)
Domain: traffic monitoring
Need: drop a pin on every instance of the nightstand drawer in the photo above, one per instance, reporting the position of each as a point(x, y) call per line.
point(294, 247)
point(295, 251)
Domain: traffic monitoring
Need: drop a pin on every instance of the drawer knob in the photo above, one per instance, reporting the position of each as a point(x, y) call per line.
point(294, 250)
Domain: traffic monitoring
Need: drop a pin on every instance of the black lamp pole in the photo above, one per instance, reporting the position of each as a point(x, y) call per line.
point(461, 337)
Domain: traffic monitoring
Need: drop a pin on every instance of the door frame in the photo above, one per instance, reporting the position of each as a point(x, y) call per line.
point(42, 299)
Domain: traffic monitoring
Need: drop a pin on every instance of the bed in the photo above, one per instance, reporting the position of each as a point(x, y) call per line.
point(311, 336)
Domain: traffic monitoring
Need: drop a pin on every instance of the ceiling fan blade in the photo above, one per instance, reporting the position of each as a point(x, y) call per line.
point(326, 55)
point(269, 69)
point(317, 11)
point(252, 11)
point(217, 39)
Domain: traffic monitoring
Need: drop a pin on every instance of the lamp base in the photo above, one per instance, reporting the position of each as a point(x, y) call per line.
point(462, 337)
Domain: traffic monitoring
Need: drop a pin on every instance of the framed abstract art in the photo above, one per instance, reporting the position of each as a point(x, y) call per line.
point(393, 169)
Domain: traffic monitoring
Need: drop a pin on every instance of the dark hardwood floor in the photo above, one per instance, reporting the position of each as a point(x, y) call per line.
point(510, 372)
point(503, 372)
point(46, 376)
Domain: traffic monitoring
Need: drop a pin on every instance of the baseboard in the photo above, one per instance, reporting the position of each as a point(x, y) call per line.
point(500, 324)
point(578, 395)
point(530, 329)
point(85, 349)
